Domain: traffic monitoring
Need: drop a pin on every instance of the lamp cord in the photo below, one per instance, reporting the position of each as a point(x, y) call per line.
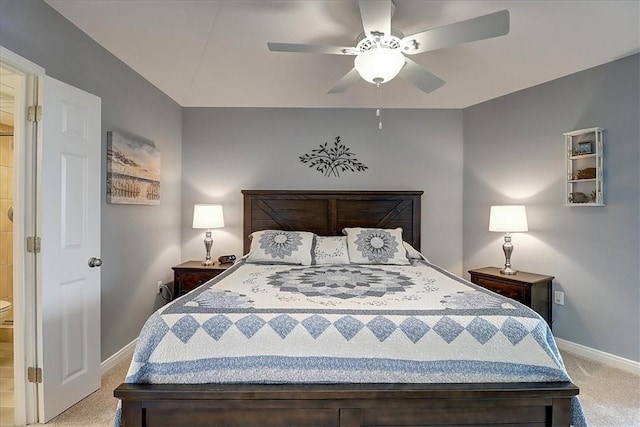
point(163, 289)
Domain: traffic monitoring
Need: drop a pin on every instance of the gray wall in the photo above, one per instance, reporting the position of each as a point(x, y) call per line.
point(226, 150)
point(514, 154)
point(139, 243)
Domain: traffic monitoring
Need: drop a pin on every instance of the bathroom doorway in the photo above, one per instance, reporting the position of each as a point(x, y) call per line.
point(51, 373)
point(18, 88)
point(9, 82)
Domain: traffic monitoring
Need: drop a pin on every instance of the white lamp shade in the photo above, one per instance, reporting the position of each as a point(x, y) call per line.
point(508, 219)
point(207, 216)
point(379, 64)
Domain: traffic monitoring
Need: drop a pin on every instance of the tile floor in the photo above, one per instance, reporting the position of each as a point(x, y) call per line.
point(6, 384)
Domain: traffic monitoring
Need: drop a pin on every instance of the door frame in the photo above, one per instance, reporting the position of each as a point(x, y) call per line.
point(24, 266)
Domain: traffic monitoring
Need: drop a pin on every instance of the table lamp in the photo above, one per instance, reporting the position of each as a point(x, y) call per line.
point(508, 219)
point(208, 216)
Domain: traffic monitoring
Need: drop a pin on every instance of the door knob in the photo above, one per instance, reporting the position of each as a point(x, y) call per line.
point(95, 262)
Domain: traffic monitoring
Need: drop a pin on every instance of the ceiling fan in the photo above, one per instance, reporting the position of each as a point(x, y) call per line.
point(382, 53)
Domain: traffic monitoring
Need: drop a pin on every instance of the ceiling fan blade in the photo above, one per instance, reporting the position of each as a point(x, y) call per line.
point(345, 82)
point(483, 27)
point(376, 16)
point(418, 76)
point(311, 48)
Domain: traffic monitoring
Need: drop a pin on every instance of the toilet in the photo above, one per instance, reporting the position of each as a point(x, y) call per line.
point(5, 307)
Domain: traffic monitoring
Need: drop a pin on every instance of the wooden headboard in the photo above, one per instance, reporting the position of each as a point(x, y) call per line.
point(326, 213)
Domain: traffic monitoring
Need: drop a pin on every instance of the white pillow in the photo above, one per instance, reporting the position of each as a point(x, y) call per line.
point(413, 253)
point(281, 247)
point(376, 246)
point(330, 250)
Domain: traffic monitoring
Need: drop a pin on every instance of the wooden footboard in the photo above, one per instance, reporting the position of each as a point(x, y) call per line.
point(346, 405)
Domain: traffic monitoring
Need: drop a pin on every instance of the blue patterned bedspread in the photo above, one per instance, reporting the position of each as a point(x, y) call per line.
point(345, 323)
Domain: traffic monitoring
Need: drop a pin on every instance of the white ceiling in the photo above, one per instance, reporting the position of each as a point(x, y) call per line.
point(214, 53)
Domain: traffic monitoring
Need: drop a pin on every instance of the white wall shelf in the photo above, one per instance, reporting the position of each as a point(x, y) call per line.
point(584, 165)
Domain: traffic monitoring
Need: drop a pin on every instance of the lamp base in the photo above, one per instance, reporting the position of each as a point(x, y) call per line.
point(207, 245)
point(507, 248)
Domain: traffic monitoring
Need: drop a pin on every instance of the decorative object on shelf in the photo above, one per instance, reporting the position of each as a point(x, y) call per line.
point(578, 197)
point(586, 173)
point(133, 171)
point(333, 160)
point(508, 219)
point(584, 165)
point(208, 217)
point(585, 147)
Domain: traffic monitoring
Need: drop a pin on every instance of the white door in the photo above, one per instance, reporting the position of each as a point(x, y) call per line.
point(68, 194)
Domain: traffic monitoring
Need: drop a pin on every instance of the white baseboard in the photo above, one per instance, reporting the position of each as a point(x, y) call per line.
point(118, 357)
point(599, 356)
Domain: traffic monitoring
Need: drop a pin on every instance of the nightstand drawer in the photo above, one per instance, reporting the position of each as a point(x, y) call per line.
point(190, 281)
point(191, 274)
point(518, 293)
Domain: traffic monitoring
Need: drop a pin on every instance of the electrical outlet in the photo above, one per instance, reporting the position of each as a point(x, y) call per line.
point(558, 298)
point(159, 286)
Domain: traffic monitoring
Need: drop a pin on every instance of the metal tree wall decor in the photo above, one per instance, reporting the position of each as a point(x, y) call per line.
point(333, 160)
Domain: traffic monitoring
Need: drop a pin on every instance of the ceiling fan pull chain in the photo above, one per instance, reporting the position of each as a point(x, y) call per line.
point(379, 89)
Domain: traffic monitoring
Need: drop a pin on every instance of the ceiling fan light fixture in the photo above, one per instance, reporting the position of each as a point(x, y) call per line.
point(379, 65)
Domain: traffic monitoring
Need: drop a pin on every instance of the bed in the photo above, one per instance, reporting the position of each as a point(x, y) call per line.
point(246, 389)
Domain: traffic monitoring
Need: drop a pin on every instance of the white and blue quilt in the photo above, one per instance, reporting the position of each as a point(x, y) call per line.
point(346, 323)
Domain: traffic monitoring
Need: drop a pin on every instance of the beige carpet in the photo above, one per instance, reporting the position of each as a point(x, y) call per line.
point(97, 409)
point(611, 397)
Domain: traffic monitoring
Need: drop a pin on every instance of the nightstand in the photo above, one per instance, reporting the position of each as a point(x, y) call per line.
point(530, 289)
point(191, 274)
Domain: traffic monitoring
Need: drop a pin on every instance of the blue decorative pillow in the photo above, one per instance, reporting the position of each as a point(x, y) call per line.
point(330, 250)
point(281, 247)
point(376, 246)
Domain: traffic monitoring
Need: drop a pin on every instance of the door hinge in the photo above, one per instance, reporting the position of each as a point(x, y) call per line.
point(34, 375)
point(33, 245)
point(34, 113)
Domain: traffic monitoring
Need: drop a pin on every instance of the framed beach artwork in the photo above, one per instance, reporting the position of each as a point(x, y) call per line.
point(133, 171)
